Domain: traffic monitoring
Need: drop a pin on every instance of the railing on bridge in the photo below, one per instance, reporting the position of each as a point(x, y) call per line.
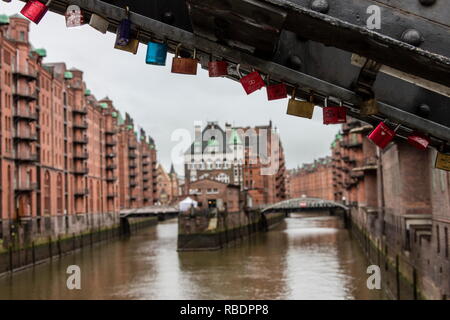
point(299, 204)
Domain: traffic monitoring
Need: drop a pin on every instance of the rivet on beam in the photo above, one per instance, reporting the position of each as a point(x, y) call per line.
point(413, 37)
point(321, 6)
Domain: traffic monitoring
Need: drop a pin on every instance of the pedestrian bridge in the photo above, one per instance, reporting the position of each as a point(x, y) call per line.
point(306, 204)
point(162, 212)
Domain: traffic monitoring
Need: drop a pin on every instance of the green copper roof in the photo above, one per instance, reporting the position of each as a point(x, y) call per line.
point(235, 139)
point(68, 75)
point(104, 105)
point(114, 114)
point(130, 127)
point(120, 120)
point(41, 52)
point(135, 133)
point(338, 136)
point(87, 92)
point(212, 143)
point(4, 19)
point(143, 138)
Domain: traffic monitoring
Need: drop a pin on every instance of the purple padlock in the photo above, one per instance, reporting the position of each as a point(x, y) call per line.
point(124, 30)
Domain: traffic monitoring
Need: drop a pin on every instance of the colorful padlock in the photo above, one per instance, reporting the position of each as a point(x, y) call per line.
point(217, 69)
point(275, 91)
point(156, 53)
point(334, 114)
point(369, 107)
point(99, 23)
point(303, 109)
point(35, 10)
point(184, 65)
point(251, 82)
point(419, 141)
point(123, 35)
point(443, 159)
point(382, 135)
point(132, 46)
point(74, 16)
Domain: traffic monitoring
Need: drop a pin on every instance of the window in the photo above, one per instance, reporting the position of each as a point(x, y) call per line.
point(47, 189)
point(438, 240)
point(59, 187)
point(446, 241)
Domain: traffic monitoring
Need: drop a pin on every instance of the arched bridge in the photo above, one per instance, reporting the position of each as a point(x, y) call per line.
point(306, 204)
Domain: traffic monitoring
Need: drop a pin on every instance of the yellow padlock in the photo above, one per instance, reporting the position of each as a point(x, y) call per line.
point(369, 107)
point(298, 108)
point(443, 161)
point(132, 45)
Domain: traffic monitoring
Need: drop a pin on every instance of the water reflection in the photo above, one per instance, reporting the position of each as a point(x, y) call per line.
point(303, 258)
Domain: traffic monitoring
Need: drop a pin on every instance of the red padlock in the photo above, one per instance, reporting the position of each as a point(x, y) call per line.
point(217, 68)
point(418, 140)
point(334, 114)
point(251, 82)
point(382, 135)
point(276, 91)
point(35, 10)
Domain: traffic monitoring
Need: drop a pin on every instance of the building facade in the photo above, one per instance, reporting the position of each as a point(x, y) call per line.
point(167, 185)
point(68, 162)
point(251, 158)
point(313, 180)
point(400, 206)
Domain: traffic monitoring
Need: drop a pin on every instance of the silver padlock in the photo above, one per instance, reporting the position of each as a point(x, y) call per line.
point(99, 23)
point(74, 16)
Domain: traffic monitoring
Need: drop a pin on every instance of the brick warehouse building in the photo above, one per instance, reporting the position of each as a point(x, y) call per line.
point(230, 156)
point(68, 161)
point(400, 208)
point(314, 180)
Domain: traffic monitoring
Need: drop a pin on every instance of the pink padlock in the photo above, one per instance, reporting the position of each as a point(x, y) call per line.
point(418, 140)
point(251, 82)
point(382, 135)
point(35, 10)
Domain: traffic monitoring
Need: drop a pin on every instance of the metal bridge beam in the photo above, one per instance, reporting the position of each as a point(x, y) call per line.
point(339, 34)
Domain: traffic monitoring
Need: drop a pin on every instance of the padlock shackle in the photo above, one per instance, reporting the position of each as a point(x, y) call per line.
point(294, 92)
point(238, 66)
point(326, 102)
point(127, 11)
point(177, 51)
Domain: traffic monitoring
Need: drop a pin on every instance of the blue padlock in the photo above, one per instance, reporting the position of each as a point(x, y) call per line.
point(124, 30)
point(156, 53)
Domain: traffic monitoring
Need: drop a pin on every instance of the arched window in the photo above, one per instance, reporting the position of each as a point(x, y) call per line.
point(47, 190)
point(59, 196)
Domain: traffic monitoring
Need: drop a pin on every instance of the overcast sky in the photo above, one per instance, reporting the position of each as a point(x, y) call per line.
point(162, 102)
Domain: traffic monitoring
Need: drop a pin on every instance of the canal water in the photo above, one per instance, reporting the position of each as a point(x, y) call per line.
point(305, 257)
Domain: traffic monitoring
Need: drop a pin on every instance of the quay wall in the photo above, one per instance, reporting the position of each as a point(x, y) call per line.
point(31, 245)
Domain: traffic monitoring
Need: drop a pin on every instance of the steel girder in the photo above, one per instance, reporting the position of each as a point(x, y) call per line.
point(309, 44)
